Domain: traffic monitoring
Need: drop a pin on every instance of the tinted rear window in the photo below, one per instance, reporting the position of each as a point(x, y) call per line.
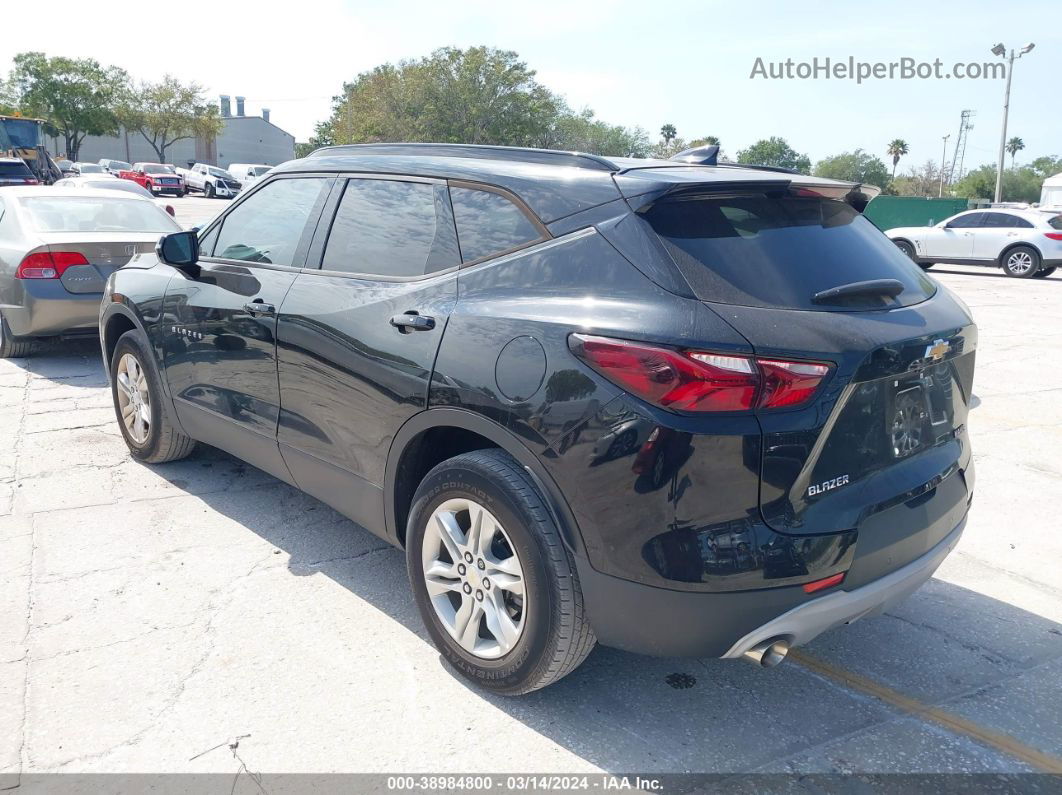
point(768, 251)
point(1055, 222)
point(15, 170)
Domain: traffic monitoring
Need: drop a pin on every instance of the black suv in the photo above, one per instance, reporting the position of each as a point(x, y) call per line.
point(675, 407)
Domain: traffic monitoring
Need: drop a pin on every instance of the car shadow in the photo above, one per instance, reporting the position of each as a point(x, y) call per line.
point(622, 712)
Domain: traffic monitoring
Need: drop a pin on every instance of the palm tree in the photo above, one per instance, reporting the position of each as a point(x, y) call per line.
point(896, 150)
point(1014, 145)
point(668, 132)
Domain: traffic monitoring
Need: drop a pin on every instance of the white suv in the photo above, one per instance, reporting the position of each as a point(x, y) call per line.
point(1023, 243)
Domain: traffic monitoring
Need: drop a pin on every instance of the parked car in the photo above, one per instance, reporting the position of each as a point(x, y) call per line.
point(90, 170)
point(1024, 243)
point(248, 173)
point(155, 178)
point(66, 167)
point(211, 181)
point(108, 182)
point(389, 326)
point(57, 247)
point(114, 166)
point(13, 171)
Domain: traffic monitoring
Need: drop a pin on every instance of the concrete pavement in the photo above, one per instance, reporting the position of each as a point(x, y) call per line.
point(151, 614)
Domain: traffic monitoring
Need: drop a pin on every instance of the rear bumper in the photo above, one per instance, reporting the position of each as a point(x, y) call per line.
point(667, 623)
point(48, 310)
point(807, 621)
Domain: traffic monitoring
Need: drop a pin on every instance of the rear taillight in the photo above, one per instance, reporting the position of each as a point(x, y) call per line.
point(48, 264)
point(30, 181)
point(699, 381)
point(1053, 235)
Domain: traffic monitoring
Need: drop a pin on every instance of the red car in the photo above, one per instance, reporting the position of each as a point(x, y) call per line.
point(156, 177)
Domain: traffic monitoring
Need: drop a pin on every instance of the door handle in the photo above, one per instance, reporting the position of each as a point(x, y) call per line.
point(411, 321)
point(259, 307)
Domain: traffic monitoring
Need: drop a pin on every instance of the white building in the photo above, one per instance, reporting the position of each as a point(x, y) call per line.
point(1051, 192)
point(243, 139)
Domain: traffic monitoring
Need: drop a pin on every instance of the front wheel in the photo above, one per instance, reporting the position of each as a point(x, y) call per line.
point(1043, 273)
point(494, 583)
point(208, 190)
point(1021, 262)
point(137, 393)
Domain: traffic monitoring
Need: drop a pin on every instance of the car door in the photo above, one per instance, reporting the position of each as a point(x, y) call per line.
point(357, 338)
point(953, 240)
point(221, 341)
point(997, 232)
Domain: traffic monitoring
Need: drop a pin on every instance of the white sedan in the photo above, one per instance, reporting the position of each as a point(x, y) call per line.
point(1023, 243)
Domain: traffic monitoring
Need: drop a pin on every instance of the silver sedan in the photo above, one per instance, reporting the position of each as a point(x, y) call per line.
point(57, 248)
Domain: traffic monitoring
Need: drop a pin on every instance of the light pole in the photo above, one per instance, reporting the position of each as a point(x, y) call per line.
point(943, 165)
point(1001, 51)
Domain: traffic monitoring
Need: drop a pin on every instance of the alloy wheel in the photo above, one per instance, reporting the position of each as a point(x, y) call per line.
point(474, 578)
point(134, 400)
point(1020, 262)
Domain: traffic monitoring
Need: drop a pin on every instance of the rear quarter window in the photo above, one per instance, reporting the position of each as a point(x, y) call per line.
point(779, 251)
point(489, 224)
point(1056, 222)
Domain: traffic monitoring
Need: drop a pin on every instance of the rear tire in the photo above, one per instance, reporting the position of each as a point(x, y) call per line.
point(12, 347)
point(139, 405)
point(1021, 262)
point(509, 633)
point(1043, 273)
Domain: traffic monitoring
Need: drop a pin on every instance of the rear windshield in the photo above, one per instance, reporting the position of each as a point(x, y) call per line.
point(95, 214)
point(89, 168)
point(779, 251)
point(157, 168)
point(120, 165)
point(15, 170)
point(218, 172)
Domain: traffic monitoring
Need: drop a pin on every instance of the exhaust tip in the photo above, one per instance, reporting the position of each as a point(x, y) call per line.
point(768, 654)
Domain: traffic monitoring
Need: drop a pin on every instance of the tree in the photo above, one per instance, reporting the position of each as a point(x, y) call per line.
point(665, 149)
point(581, 132)
point(1046, 166)
point(775, 151)
point(924, 181)
point(897, 149)
point(1014, 145)
point(668, 133)
point(77, 96)
point(1019, 184)
point(857, 166)
point(477, 96)
point(169, 111)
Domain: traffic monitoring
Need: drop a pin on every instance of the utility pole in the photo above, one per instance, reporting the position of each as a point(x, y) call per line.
point(943, 165)
point(1000, 51)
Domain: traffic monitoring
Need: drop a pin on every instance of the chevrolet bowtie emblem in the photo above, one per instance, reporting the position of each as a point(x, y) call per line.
point(937, 350)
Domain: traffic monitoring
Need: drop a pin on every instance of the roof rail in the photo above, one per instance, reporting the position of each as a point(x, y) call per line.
point(516, 154)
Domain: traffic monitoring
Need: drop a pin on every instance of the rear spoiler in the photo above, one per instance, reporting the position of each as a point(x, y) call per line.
point(856, 194)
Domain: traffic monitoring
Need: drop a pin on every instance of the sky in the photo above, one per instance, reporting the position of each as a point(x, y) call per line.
point(634, 63)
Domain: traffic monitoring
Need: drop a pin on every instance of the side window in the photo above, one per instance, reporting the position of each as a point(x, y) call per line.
point(271, 226)
point(207, 242)
point(389, 228)
point(488, 223)
point(966, 221)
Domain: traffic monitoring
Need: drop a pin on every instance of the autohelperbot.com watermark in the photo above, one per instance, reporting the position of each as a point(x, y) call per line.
point(862, 71)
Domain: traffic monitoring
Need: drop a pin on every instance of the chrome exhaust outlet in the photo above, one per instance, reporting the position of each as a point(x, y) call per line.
point(767, 654)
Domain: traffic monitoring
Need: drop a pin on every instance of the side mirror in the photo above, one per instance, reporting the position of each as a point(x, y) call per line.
point(179, 249)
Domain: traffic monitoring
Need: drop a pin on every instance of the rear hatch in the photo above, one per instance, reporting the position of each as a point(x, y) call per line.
point(105, 252)
point(882, 447)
